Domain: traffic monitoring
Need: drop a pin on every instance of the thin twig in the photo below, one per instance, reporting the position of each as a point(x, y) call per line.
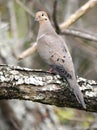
point(80, 34)
point(27, 52)
point(25, 8)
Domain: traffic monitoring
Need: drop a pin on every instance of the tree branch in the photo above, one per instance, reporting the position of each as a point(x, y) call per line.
point(40, 86)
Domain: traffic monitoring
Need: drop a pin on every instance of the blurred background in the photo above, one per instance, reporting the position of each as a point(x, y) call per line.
point(18, 31)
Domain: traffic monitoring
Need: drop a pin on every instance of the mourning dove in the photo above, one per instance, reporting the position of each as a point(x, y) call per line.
point(54, 51)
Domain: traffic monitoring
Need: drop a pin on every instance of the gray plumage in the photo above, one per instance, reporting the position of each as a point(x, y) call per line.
point(54, 51)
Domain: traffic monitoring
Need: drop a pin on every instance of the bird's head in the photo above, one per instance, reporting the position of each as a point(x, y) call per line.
point(41, 16)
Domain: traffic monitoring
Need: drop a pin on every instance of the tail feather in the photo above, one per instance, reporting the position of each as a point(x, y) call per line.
point(79, 95)
point(76, 89)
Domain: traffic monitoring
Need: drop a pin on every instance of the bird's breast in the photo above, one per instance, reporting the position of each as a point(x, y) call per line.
point(44, 51)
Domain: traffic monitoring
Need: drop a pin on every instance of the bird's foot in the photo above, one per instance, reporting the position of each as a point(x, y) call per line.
point(52, 71)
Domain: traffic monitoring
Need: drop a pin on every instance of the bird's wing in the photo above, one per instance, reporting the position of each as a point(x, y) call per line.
point(59, 53)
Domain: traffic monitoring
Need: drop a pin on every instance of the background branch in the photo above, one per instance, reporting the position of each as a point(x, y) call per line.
point(80, 12)
point(80, 34)
point(54, 16)
point(71, 20)
point(25, 8)
point(28, 51)
point(59, 28)
point(40, 86)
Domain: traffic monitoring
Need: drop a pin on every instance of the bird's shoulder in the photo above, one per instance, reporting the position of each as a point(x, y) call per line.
point(55, 42)
point(52, 38)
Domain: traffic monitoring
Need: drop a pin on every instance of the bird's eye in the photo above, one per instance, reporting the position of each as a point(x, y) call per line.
point(42, 14)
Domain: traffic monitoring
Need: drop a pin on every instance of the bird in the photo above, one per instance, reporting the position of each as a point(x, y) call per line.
point(53, 49)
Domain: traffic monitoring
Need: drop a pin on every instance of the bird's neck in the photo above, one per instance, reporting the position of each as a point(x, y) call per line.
point(45, 28)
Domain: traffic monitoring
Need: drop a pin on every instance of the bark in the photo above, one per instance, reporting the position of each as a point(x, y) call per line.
point(43, 87)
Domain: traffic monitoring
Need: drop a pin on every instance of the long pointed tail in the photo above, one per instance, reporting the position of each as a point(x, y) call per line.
point(79, 95)
point(77, 92)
